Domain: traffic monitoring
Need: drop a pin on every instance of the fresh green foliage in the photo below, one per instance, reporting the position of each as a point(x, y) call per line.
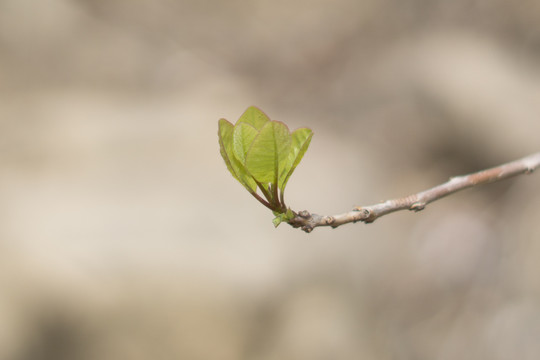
point(262, 153)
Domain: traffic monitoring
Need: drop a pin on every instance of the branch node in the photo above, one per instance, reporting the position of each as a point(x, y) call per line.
point(368, 216)
point(329, 220)
point(365, 212)
point(417, 206)
point(304, 214)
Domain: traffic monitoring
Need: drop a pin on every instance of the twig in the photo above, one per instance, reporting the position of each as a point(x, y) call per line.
point(416, 202)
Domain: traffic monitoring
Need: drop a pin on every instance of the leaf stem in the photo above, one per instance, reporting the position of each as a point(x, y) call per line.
point(266, 194)
point(274, 188)
point(262, 201)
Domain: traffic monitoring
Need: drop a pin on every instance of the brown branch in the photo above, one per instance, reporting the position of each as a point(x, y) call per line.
point(416, 202)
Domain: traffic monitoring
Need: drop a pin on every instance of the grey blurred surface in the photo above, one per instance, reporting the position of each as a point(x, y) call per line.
point(123, 236)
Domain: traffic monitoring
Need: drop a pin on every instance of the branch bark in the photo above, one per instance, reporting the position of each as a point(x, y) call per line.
point(416, 202)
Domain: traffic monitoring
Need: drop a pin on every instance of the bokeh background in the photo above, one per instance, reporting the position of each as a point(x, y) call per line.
point(123, 236)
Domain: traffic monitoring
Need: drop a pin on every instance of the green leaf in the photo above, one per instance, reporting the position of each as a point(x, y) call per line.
point(225, 131)
point(269, 151)
point(301, 139)
point(243, 136)
point(254, 117)
point(263, 154)
point(238, 171)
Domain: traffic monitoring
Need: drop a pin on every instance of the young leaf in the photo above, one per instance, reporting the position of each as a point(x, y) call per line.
point(262, 153)
point(268, 154)
point(278, 220)
point(243, 136)
point(254, 117)
point(237, 170)
point(225, 131)
point(283, 217)
point(300, 143)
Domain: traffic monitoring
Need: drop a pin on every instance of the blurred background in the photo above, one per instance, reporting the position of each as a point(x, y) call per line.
point(123, 236)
